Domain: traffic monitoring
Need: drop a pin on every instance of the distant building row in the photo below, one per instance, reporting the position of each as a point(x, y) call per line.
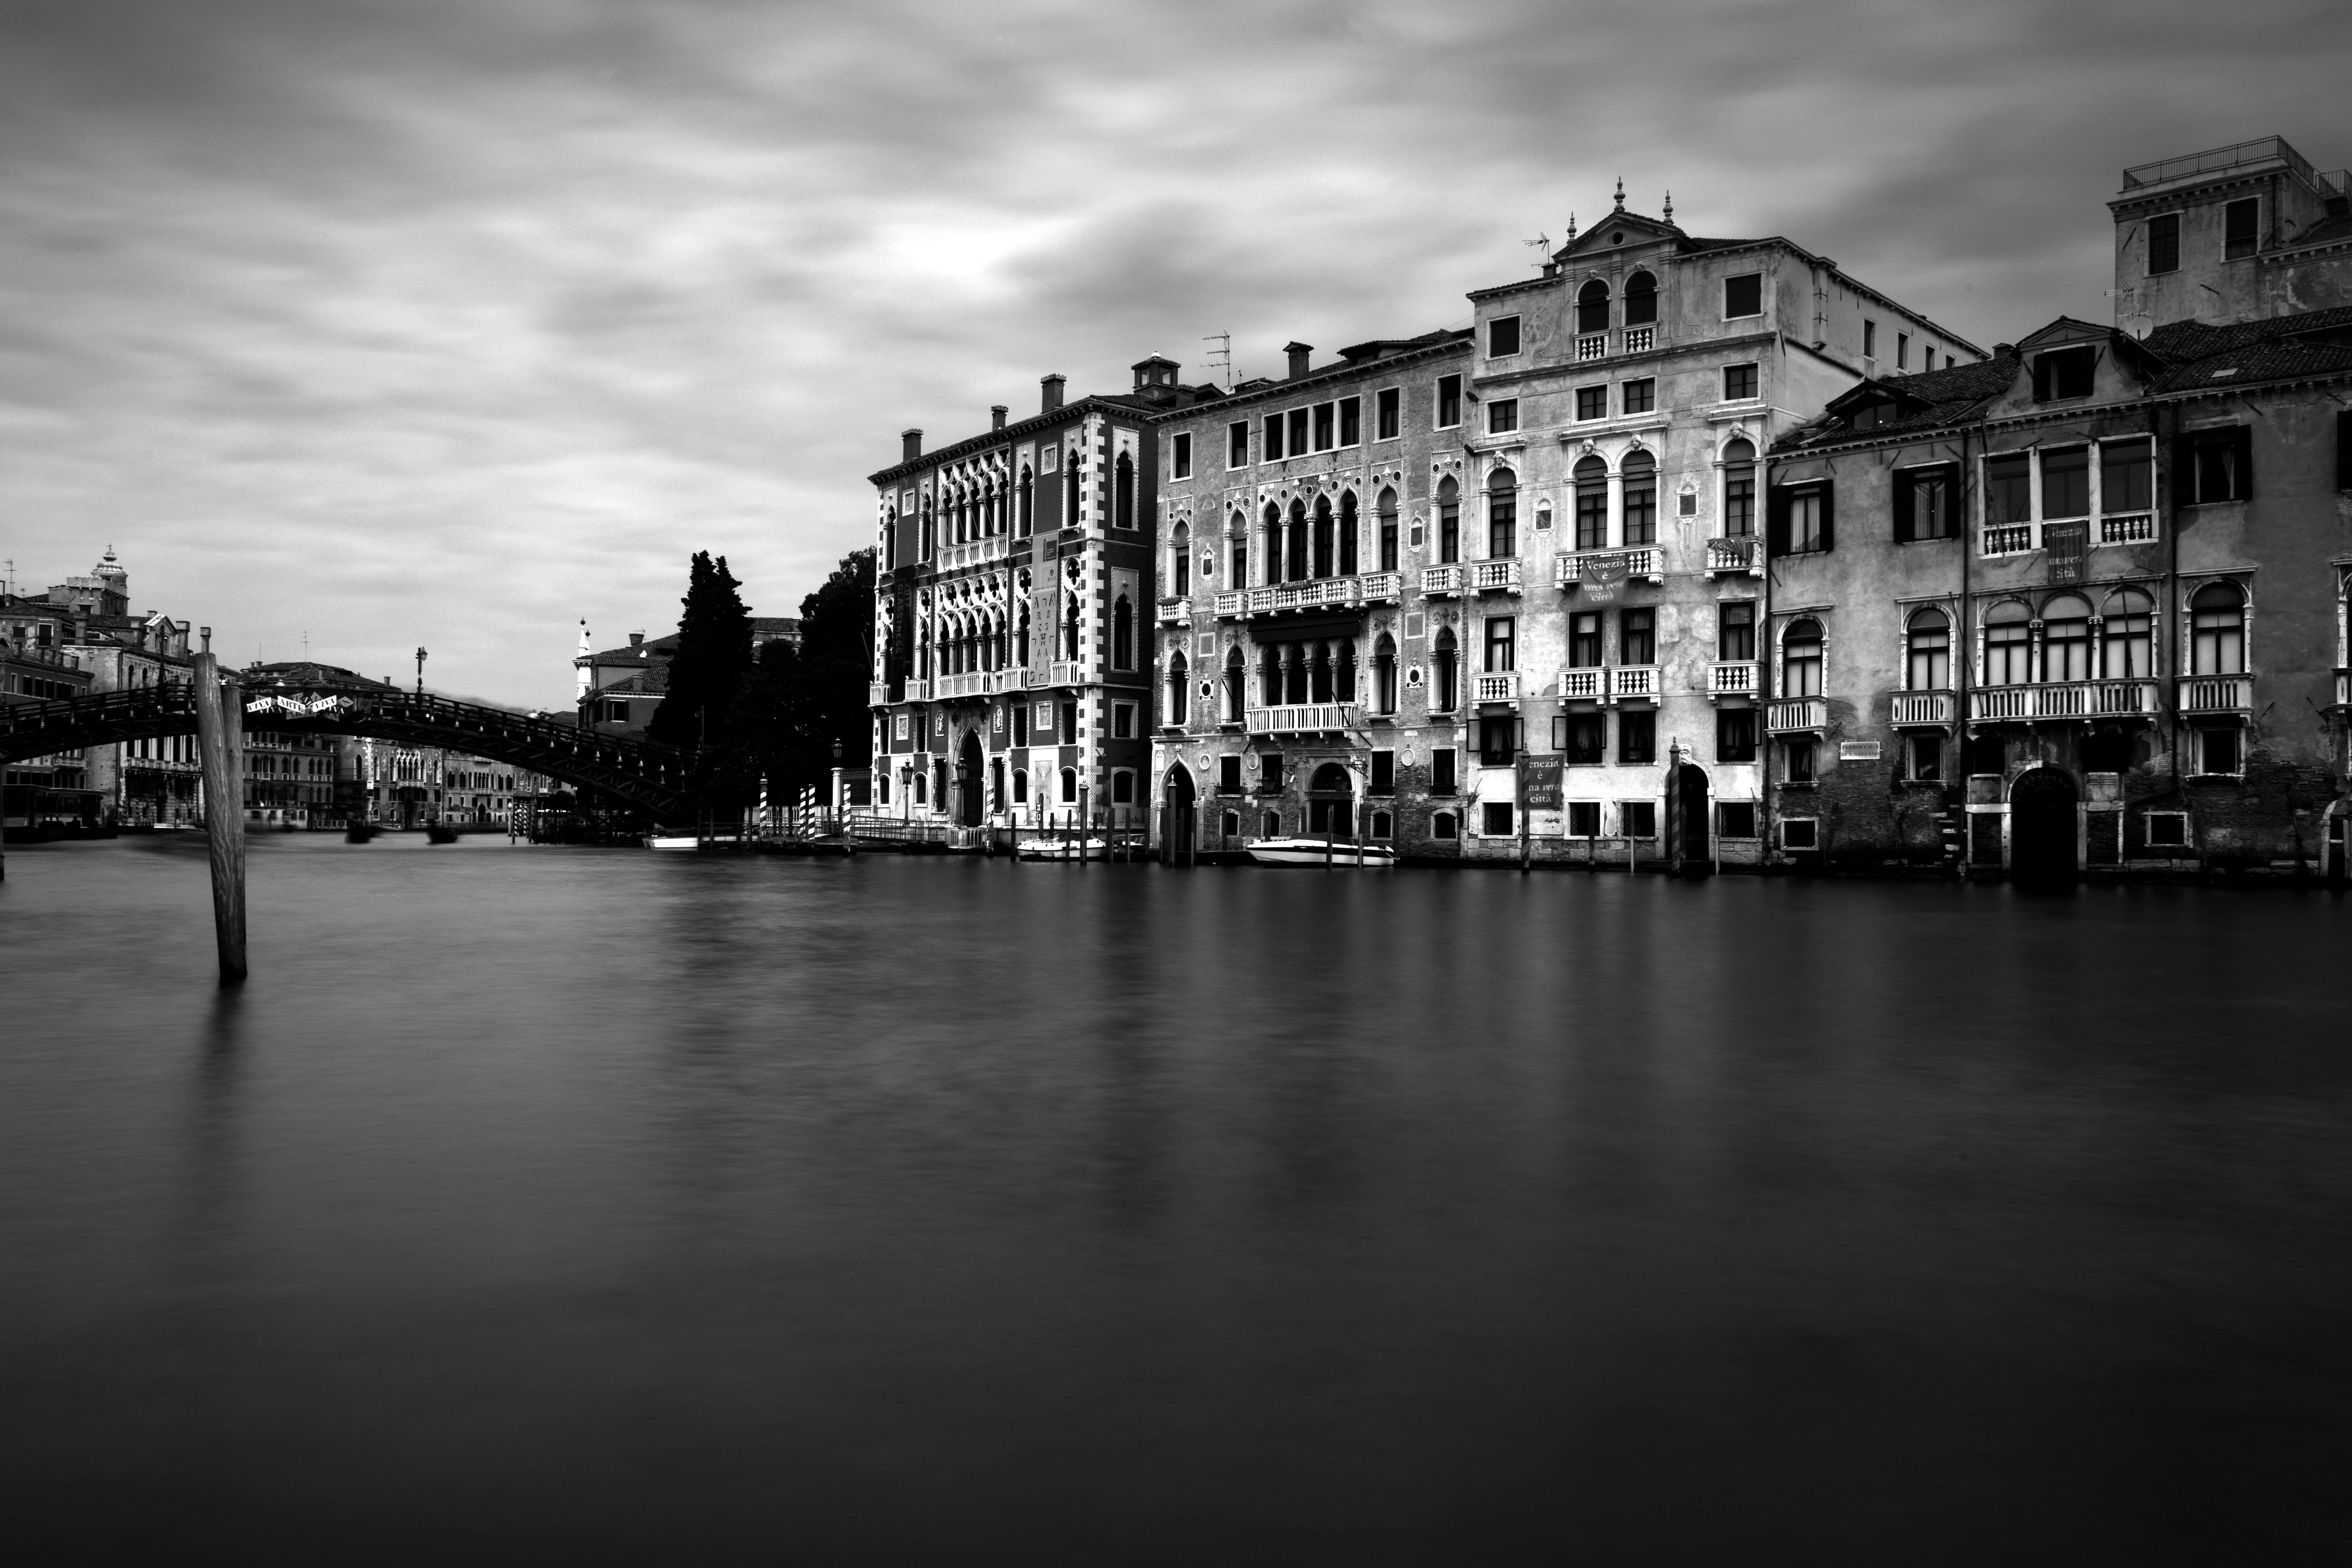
point(82, 637)
point(1693, 549)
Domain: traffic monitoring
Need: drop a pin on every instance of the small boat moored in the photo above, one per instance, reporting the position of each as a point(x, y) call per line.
point(1319, 852)
point(1063, 849)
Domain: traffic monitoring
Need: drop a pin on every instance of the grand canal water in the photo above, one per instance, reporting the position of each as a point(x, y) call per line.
point(597, 1206)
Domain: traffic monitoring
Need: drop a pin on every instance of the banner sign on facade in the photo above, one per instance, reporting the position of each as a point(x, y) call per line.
point(1603, 576)
point(1540, 788)
point(2067, 542)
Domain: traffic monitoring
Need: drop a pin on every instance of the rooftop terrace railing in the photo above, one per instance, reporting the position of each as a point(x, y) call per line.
point(2217, 160)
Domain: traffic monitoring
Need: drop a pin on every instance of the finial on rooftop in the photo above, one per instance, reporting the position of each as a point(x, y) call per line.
point(1571, 228)
point(1620, 193)
point(1670, 206)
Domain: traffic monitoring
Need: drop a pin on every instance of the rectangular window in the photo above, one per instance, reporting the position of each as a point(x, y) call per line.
point(2214, 465)
point(1297, 444)
point(1797, 757)
point(1736, 819)
point(1122, 720)
point(1926, 757)
point(1502, 337)
point(1869, 339)
point(1736, 630)
point(1638, 818)
point(1735, 735)
point(1440, 770)
point(1229, 773)
point(1927, 503)
point(1641, 396)
point(1237, 443)
point(1351, 422)
point(1324, 436)
point(1502, 644)
point(2067, 483)
point(1021, 725)
point(1637, 736)
point(1495, 820)
point(1383, 773)
point(2009, 490)
point(1738, 382)
point(2237, 224)
point(1497, 738)
point(1586, 737)
point(1449, 401)
point(2218, 751)
point(1743, 296)
point(1180, 459)
point(1069, 723)
point(2168, 828)
point(1801, 833)
point(2065, 373)
point(1584, 818)
point(1502, 415)
point(1272, 446)
point(1269, 772)
point(1584, 639)
point(2126, 478)
point(1637, 638)
point(1804, 519)
point(1902, 351)
point(1122, 787)
point(1390, 405)
point(2164, 244)
point(1593, 403)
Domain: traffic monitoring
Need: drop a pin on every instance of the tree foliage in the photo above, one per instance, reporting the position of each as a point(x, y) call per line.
point(800, 701)
point(714, 655)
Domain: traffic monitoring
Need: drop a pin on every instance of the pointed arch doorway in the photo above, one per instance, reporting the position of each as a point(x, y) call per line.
point(1330, 803)
point(971, 776)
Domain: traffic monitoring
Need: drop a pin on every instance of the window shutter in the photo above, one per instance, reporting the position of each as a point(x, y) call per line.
point(1828, 515)
point(2041, 378)
point(2344, 451)
point(1776, 520)
point(2243, 437)
point(2184, 471)
point(1906, 481)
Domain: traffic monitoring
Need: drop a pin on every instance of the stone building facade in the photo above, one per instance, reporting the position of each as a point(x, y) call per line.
point(2084, 604)
point(1309, 680)
point(1014, 587)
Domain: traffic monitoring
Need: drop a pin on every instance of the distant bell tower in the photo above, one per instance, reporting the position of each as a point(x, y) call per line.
point(581, 676)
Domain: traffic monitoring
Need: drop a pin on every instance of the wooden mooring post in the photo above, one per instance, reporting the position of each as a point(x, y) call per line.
point(220, 746)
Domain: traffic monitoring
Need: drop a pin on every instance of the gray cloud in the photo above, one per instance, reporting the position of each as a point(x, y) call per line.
point(450, 323)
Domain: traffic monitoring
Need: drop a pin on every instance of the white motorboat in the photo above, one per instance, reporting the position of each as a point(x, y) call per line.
point(1063, 849)
point(672, 841)
point(1319, 852)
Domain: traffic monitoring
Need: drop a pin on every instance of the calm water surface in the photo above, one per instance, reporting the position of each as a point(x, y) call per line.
point(597, 1206)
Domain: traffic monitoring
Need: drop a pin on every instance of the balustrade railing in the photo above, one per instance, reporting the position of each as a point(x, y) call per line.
point(1921, 707)
point(878, 693)
point(1586, 685)
point(2063, 700)
point(1643, 560)
point(919, 691)
point(2007, 538)
point(1736, 552)
point(1233, 604)
point(1641, 340)
point(1503, 686)
point(1382, 587)
point(1441, 582)
point(1307, 718)
point(1732, 678)
point(1633, 680)
point(1495, 576)
point(2131, 528)
point(1175, 612)
point(2216, 693)
point(1796, 715)
point(1068, 672)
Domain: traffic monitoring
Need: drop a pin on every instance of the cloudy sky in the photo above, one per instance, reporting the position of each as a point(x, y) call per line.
point(413, 322)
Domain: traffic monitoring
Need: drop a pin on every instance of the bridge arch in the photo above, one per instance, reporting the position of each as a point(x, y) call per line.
point(654, 777)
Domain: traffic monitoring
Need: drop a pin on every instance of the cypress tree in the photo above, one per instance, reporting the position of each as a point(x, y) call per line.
point(714, 654)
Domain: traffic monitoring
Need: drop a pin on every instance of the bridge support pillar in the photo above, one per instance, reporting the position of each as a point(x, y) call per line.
point(220, 746)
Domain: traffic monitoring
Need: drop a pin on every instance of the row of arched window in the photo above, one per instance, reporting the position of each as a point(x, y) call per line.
point(1641, 302)
point(2072, 645)
point(984, 509)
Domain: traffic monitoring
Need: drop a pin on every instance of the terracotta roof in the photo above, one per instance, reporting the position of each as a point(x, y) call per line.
point(1926, 400)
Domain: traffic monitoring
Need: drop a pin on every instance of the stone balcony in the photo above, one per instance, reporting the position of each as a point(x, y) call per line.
point(2216, 693)
point(1442, 581)
point(1732, 677)
point(1736, 552)
point(2081, 700)
point(1303, 719)
point(1645, 562)
point(1495, 576)
point(1797, 716)
point(1175, 612)
point(1633, 683)
point(1920, 709)
point(1584, 685)
point(1503, 686)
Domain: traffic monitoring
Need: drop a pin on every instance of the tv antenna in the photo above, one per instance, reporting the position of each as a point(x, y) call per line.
point(1220, 358)
point(1542, 242)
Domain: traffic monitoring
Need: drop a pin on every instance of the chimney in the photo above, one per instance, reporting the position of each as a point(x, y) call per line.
point(996, 416)
point(910, 444)
point(637, 639)
point(1299, 353)
point(1053, 385)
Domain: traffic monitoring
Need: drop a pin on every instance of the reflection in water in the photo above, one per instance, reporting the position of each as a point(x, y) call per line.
point(632, 1205)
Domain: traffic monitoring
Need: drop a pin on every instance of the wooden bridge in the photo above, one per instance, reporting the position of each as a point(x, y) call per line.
point(642, 774)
